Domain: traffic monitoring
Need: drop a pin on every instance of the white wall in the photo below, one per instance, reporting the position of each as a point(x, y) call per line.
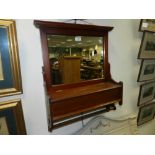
point(124, 42)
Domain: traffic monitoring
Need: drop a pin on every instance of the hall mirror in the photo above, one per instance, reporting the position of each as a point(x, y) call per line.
point(74, 59)
point(76, 72)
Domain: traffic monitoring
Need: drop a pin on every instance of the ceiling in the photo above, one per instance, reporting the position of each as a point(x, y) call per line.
point(73, 41)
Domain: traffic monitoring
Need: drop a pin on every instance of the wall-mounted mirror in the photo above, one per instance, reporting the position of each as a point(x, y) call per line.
point(76, 71)
point(75, 58)
point(74, 54)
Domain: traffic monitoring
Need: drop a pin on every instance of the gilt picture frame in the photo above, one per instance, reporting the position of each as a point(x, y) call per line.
point(146, 113)
point(11, 118)
point(147, 25)
point(10, 76)
point(147, 47)
point(146, 93)
point(147, 70)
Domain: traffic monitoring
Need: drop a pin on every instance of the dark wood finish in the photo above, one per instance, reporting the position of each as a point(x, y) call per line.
point(70, 26)
point(83, 116)
point(56, 28)
point(90, 99)
point(72, 102)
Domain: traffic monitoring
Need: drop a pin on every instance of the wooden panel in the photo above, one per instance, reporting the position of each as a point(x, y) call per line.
point(70, 69)
point(83, 103)
point(67, 26)
point(82, 90)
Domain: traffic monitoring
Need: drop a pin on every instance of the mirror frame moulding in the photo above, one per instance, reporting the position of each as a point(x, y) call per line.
point(56, 28)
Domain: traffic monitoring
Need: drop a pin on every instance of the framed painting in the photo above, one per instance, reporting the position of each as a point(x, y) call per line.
point(147, 70)
point(146, 93)
point(146, 113)
point(147, 25)
point(10, 76)
point(147, 48)
point(11, 118)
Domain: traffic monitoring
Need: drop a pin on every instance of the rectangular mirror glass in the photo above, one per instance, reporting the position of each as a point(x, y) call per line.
point(75, 59)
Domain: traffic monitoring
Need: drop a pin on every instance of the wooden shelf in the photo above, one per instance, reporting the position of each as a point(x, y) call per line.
point(63, 94)
point(71, 102)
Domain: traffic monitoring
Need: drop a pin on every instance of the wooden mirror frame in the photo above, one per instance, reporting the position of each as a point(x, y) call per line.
point(54, 28)
point(105, 92)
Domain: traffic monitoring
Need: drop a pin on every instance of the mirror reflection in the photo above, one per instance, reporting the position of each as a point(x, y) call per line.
point(75, 58)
